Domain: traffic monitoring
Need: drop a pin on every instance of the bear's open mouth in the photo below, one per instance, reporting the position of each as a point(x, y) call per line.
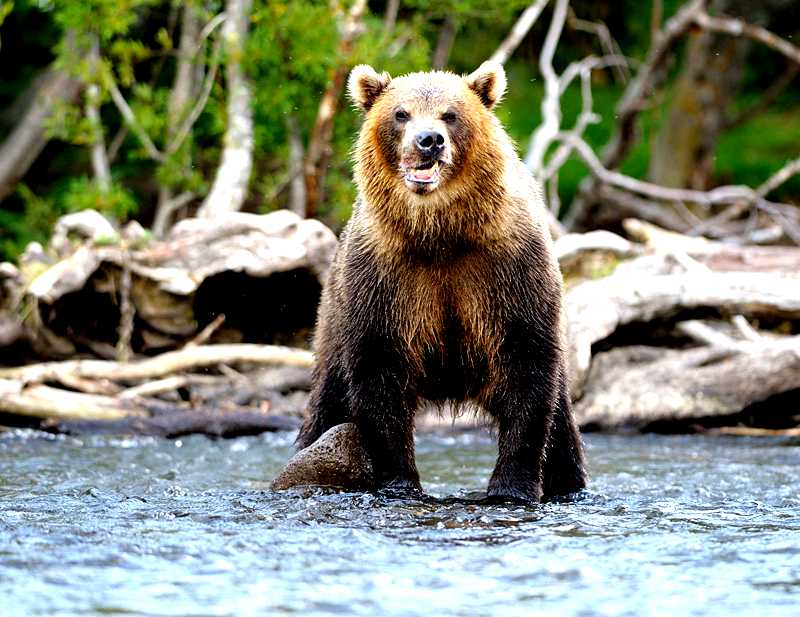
point(427, 173)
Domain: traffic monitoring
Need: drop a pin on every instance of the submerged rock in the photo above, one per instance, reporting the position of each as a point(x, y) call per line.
point(337, 458)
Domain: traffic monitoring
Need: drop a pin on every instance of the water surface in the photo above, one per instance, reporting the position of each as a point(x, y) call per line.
point(670, 526)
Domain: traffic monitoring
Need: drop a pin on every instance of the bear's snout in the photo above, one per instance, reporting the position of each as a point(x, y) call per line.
point(429, 143)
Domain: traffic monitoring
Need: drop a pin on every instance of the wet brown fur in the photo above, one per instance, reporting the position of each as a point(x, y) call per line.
point(446, 293)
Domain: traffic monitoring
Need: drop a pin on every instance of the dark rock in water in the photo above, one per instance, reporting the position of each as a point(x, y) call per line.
point(337, 458)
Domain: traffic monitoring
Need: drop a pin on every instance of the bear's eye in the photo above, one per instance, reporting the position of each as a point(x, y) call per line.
point(401, 115)
point(449, 117)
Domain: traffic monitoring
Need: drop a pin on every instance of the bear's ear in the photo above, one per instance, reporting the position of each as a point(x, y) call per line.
point(365, 85)
point(488, 81)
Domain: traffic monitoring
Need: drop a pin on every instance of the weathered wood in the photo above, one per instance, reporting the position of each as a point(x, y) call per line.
point(595, 309)
point(585, 255)
point(637, 386)
point(214, 423)
point(718, 256)
point(45, 402)
point(279, 257)
point(752, 431)
point(171, 362)
point(63, 411)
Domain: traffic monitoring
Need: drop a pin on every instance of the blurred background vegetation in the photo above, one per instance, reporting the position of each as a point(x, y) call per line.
point(293, 48)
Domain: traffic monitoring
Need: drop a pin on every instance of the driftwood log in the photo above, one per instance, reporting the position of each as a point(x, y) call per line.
point(661, 328)
point(638, 354)
point(168, 291)
point(643, 386)
point(102, 396)
point(596, 309)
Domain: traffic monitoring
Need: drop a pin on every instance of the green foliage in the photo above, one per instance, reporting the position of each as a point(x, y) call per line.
point(34, 222)
point(290, 64)
point(290, 56)
point(5, 9)
point(82, 193)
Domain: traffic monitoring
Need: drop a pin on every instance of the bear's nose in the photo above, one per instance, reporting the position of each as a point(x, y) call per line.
point(429, 143)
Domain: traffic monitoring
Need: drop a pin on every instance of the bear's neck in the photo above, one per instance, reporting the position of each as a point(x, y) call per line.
point(454, 220)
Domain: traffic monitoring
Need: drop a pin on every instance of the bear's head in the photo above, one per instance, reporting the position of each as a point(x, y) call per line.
point(427, 134)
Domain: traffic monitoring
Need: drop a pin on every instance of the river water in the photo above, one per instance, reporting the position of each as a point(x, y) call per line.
point(686, 525)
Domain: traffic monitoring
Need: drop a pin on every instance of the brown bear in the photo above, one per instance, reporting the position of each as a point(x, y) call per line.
point(445, 288)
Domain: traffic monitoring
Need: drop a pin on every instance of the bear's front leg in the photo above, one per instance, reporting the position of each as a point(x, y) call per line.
point(523, 403)
point(383, 407)
point(328, 401)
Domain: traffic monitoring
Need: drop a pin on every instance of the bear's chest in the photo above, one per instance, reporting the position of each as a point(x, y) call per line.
point(450, 319)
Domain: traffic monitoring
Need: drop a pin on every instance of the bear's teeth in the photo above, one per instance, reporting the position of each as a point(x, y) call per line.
point(424, 174)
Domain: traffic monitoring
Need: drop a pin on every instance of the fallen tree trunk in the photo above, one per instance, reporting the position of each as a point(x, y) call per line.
point(45, 402)
point(178, 286)
point(104, 407)
point(634, 356)
point(639, 386)
point(151, 368)
point(718, 256)
point(595, 309)
point(214, 423)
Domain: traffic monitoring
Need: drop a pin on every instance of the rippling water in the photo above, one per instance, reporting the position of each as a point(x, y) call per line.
point(670, 526)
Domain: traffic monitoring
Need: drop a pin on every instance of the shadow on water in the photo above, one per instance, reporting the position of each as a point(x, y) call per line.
point(670, 525)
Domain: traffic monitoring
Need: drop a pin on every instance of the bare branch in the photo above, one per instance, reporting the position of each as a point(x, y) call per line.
point(607, 42)
point(707, 335)
point(116, 142)
point(99, 155)
point(171, 362)
point(784, 214)
point(167, 209)
point(656, 15)
point(719, 195)
point(648, 78)
point(743, 327)
point(208, 84)
point(208, 30)
point(518, 32)
point(130, 119)
point(587, 116)
point(738, 27)
point(127, 312)
point(642, 208)
point(551, 109)
point(592, 63)
point(792, 168)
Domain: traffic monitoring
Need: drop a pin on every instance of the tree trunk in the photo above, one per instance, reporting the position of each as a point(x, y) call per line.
point(297, 185)
point(233, 175)
point(319, 144)
point(99, 156)
point(390, 16)
point(444, 44)
point(180, 100)
point(26, 141)
point(683, 151)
